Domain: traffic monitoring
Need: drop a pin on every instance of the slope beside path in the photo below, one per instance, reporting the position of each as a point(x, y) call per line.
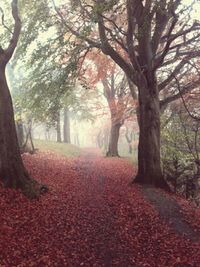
point(91, 217)
point(170, 211)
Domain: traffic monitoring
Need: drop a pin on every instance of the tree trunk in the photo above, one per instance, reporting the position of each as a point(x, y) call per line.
point(99, 140)
point(13, 172)
point(47, 132)
point(129, 138)
point(28, 145)
point(149, 164)
point(20, 133)
point(113, 141)
point(31, 138)
point(130, 148)
point(105, 139)
point(66, 127)
point(58, 128)
point(76, 139)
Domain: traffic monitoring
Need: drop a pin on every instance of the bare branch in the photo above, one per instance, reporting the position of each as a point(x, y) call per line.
point(185, 89)
point(161, 21)
point(109, 50)
point(183, 100)
point(177, 69)
point(3, 21)
point(160, 60)
point(74, 32)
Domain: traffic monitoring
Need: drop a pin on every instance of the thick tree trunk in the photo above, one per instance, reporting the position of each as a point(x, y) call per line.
point(58, 128)
point(13, 172)
point(66, 127)
point(113, 141)
point(149, 164)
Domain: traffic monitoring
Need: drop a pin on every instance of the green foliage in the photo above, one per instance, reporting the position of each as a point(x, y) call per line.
point(105, 6)
point(51, 65)
point(36, 18)
point(178, 156)
point(173, 142)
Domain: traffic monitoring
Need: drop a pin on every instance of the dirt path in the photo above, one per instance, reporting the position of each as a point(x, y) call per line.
point(170, 211)
point(100, 220)
point(91, 217)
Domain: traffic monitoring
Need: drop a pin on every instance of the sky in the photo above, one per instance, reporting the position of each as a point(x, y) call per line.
point(196, 11)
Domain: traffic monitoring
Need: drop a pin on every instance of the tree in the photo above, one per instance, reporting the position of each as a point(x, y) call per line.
point(66, 126)
point(129, 138)
point(116, 97)
point(12, 169)
point(115, 90)
point(151, 41)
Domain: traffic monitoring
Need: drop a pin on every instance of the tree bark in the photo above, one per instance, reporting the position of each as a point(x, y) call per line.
point(66, 127)
point(58, 128)
point(113, 141)
point(149, 164)
point(13, 172)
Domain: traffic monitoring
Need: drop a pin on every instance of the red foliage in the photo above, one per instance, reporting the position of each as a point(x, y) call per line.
point(191, 213)
point(91, 217)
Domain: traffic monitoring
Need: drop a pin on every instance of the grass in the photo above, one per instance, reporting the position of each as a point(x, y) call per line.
point(67, 150)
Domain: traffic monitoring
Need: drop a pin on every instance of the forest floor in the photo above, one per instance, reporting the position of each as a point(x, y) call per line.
point(92, 216)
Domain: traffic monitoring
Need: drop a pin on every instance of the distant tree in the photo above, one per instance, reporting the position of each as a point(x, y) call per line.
point(129, 138)
point(66, 126)
point(115, 90)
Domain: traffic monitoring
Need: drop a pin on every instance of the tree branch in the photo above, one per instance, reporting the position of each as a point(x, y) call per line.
point(109, 50)
point(186, 89)
point(3, 22)
point(177, 69)
point(74, 32)
point(183, 100)
point(160, 60)
point(16, 33)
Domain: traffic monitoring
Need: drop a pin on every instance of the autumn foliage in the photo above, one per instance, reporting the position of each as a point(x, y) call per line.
point(90, 217)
